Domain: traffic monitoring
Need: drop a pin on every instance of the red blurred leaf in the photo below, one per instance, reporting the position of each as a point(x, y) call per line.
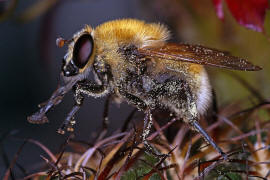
point(219, 8)
point(249, 13)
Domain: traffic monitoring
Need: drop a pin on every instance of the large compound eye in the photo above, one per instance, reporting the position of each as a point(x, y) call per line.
point(82, 50)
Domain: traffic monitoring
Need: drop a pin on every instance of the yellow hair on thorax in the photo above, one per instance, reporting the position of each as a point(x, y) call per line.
point(131, 31)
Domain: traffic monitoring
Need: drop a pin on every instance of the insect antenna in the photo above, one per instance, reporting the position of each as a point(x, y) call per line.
point(60, 42)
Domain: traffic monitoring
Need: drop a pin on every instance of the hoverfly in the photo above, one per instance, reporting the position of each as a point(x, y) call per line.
point(133, 62)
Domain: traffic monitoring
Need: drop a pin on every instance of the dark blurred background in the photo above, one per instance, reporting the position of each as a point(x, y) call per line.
point(30, 61)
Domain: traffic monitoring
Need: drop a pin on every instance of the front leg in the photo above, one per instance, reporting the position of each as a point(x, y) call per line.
point(84, 87)
point(69, 121)
point(91, 89)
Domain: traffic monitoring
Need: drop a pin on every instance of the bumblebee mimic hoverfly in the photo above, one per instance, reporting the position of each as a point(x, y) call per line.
point(132, 61)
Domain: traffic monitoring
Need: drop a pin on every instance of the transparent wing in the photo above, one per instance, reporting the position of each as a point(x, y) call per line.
point(199, 55)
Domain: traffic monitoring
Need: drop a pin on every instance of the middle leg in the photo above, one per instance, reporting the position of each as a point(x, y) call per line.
point(148, 122)
point(105, 120)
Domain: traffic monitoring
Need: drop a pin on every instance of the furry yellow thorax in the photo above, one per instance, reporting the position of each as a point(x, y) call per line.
point(131, 31)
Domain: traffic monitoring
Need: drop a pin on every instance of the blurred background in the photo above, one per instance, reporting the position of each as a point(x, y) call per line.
point(30, 61)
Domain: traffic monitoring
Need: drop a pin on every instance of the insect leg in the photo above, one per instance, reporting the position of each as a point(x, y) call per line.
point(206, 136)
point(191, 116)
point(83, 87)
point(69, 121)
point(148, 122)
point(91, 89)
point(56, 98)
point(105, 121)
point(134, 100)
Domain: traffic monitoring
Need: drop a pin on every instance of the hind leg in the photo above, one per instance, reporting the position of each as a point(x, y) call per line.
point(191, 117)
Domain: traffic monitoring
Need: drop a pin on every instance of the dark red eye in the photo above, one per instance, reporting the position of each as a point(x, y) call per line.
point(82, 50)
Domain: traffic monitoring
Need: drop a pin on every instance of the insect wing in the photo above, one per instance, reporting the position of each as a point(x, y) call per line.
point(199, 55)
